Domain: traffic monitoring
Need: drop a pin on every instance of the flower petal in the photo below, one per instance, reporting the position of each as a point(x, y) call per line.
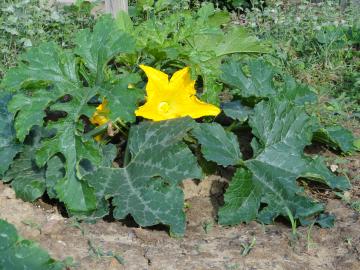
point(149, 111)
point(97, 119)
point(100, 115)
point(196, 108)
point(157, 80)
point(181, 80)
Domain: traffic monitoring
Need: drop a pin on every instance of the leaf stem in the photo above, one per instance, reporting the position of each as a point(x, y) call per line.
point(96, 131)
point(234, 125)
point(127, 155)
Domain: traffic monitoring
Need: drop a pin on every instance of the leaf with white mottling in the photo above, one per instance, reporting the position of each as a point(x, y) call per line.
point(147, 188)
point(282, 131)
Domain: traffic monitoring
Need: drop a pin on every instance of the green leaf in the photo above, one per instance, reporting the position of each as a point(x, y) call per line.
point(27, 179)
point(281, 194)
point(282, 131)
point(212, 90)
point(238, 40)
point(217, 144)
point(147, 188)
point(124, 22)
point(55, 171)
point(163, 4)
point(97, 48)
point(236, 110)
point(300, 94)
point(144, 4)
point(219, 18)
point(109, 153)
point(259, 84)
point(242, 199)
point(22, 254)
point(326, 220)
point(336, 137)
point(30, 111)
point(43, 65)
point(8, 144)
point(206, 10)
point(76, 194)
point(122, 100)
point(239, 3)
point(8, 235)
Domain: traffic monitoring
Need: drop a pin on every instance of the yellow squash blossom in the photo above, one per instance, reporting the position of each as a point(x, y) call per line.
point(100, 116)
point(174, 98)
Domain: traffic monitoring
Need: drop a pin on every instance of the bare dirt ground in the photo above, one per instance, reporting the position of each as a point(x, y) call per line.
point(205, 245)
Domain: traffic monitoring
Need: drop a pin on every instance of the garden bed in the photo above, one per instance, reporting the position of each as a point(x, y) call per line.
point(205, 245)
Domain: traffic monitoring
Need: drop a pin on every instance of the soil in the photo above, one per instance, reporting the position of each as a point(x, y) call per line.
point(113, 245)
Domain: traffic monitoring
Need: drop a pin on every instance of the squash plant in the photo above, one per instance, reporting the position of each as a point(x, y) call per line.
point(90, 156)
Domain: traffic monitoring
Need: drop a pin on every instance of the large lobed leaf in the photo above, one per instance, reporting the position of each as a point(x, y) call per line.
point(148, 187)
point(99, 47)
point(300, 94)
point(239, 40)
point(16, 253)
point(75, 193)
point(242, 199)
point(9, 146)
point(255, 79)
point(336, 137)
point(282, 131)
point(123, 100)
point(42, 65)
point(27, 179)
point(30, 110)
point(259, 84)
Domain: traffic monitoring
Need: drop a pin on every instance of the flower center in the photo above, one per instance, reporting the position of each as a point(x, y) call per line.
point(164, 107)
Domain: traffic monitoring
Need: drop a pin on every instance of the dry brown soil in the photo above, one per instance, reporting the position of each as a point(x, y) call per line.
point(205, 245)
